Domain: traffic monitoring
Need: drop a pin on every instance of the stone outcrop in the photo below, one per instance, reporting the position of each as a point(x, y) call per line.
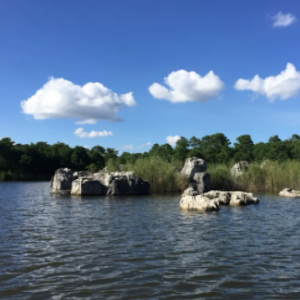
point(198, 203)
point(195, 170)
point(232, 198)
point(61, 182)
point(88, 186)
point(290, 193)
point(237, 169)
point(83, 183)
point(212, 200)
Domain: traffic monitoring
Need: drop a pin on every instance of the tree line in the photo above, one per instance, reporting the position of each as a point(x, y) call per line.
point(39, 161)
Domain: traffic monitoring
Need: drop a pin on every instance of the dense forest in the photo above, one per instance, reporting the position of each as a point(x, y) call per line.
point(39, 161)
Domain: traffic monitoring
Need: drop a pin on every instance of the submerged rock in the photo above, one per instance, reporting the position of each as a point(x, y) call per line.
point(290, 193)
point(61, 182)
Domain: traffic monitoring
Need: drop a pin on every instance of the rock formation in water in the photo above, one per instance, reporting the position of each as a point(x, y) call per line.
point(290, 193)
point(83, 183)
point(195, 170)
point(237, 169)
point(61, 182)
point(212, 200)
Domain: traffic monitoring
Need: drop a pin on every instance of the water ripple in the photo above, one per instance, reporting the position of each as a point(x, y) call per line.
point(63, 247)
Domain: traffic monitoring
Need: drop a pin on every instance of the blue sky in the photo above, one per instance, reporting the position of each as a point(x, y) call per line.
point(126, 46)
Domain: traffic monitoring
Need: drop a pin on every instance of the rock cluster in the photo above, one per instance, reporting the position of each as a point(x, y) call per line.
point(65, 181)
point(195, 170)
point(212, 200)
point(199, 197)
point(288, 192)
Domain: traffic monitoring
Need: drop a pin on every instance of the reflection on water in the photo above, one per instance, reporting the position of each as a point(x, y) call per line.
point(62, 247)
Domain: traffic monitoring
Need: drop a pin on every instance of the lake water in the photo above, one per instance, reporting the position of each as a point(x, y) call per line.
point(63, 247)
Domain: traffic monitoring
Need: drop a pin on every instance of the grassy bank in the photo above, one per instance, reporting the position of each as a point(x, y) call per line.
point(270, 176)
point(161, 174)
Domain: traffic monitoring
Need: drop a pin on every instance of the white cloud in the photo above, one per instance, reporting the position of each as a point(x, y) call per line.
point(88, 121)
point(171, 140)
point(145, 145)
point(60, 99)
point(128, 147)
point(187, 86)
point(283, 20)
point(86, 147)
point(283, 86)
point(81, 133)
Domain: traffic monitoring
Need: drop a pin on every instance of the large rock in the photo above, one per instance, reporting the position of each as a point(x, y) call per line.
point(102, 183)
point(62, 181)
point(241, 198)
point(195, 170)
point(200, 182)
point(198, 203)
point(220, 197)
point(232, 198)
point(88, 186)
point(192, 166)
point(237, 169)
point(126, 184)
point(290, 193)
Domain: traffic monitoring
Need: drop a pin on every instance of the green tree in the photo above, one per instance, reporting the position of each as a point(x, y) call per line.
point(96, 155)
point(181, 150)
point(80, 158)
point(244, 148)
point(216, 148)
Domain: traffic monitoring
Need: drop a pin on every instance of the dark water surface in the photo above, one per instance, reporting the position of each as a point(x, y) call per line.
point(65, 247)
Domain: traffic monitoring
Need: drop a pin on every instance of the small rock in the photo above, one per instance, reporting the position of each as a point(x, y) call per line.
point(198, 203)
point(290, 193)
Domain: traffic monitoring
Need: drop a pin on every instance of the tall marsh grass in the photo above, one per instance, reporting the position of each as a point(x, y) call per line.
point(162, 175)
point(164, 178)
point(269, 176)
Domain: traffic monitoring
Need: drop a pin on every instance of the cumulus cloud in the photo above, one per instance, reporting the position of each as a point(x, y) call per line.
point(145, 145)
point(83, 134)
point(283, 20)
point(171, 140)
point(88, 121)
point(282, 86)
point(60, 99)
point(187, 86)
point(127, 147)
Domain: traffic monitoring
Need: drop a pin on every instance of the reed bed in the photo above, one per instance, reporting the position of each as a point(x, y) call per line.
point(267, 176)
point(162, 175)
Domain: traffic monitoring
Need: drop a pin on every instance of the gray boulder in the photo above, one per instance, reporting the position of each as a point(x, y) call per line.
point(237, 169)
point(200, 182)
point(222, 198)
point(192, 166)
point(88, 186)
point(232, 198)
point(126, 184)
point(290, 193)
point(198, 203)
point(61, 182)
point(102, 183)
point(195, 170)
